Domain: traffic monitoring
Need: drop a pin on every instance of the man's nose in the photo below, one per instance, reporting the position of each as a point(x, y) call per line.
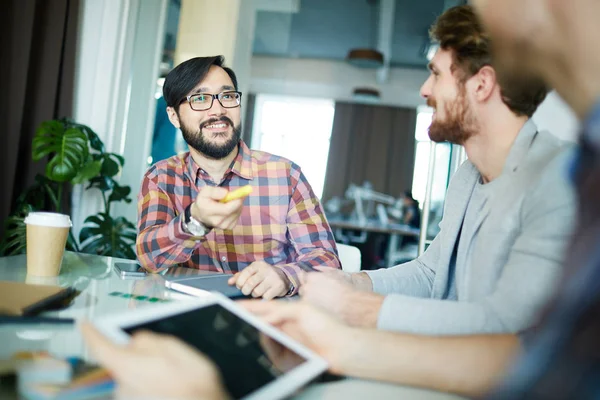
point(216, 108)
point(426, 89)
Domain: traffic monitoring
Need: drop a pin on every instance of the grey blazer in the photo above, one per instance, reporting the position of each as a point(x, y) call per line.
point(513, 264)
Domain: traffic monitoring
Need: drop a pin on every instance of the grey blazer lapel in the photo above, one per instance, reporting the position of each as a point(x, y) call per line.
point(516, 156)
point(457, 199)
point(520, 147)
point(481, 217)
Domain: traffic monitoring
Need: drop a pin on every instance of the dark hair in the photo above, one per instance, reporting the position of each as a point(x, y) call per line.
point(460, 30)
point(184, 77)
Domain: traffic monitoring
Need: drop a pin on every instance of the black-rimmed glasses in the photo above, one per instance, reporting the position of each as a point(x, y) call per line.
point(204, 101)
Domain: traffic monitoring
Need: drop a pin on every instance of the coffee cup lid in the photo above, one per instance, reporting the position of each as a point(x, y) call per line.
point(55, 220)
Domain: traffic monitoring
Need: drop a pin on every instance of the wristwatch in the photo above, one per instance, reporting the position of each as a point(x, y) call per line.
point(290, 290)
point(291, 287)
point(191, 225)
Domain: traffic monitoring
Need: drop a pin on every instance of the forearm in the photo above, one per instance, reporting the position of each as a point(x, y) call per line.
point(413, 278)
point(306, 262)
point(164, 245)
point(309, 233)
point(361, 309)
point(361, 281)
point(468, 365)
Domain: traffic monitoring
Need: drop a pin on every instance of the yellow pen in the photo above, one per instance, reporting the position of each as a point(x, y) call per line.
point(238, 193)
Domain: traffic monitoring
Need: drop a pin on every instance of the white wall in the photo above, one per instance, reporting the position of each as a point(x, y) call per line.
point(333, 80)
point(555, 116)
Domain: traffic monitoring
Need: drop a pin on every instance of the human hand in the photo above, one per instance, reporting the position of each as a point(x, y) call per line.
point(212, 213)
point(156, 366)
point(359, 280)
point(314, 328)
point(352, 303)
point(260, 279)
point(329, 290)
point(337, 274)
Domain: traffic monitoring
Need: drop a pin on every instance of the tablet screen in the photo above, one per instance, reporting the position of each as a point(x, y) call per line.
point(246, 357)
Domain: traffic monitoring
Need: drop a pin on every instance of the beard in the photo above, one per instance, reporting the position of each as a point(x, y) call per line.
point(459, 125)
point(198, 141)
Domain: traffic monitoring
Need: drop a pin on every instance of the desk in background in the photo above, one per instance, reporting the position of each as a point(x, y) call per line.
point(104, 292)
point(395, 231)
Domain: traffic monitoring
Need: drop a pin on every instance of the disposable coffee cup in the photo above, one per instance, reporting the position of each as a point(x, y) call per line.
point(46, 240)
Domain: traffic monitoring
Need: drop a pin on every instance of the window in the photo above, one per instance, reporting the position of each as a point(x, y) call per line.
point(441, 173)
point(296, 128)
point(422, 146)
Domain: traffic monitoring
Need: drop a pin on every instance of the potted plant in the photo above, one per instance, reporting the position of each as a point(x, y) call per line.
point(75, 155)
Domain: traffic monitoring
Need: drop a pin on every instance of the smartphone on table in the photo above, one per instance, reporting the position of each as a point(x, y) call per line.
point(130, 270)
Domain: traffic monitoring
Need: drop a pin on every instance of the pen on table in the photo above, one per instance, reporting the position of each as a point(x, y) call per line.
point(11, 319)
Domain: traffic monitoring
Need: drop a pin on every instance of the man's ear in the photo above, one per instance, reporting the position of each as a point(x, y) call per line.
point(484, 82)
point(173, 117)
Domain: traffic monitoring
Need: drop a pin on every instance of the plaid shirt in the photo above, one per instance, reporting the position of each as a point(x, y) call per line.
point(282, 222)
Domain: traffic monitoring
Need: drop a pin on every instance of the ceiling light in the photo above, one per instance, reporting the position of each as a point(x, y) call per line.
point(367, 95)
point(365, 58)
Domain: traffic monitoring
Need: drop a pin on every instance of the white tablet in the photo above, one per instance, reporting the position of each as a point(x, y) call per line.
point(239, 343)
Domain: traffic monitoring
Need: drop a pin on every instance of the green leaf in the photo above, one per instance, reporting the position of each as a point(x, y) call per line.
point(68, 150)
point(38, 194)
point(104, 235)
point(90, 170)
point(95, 142)
point(110, 167)
point(72, 244)
point(47, 129)
point(104, 183)
point(120, 193)
point(97, 219)
point(120, 159)
point(15, 234)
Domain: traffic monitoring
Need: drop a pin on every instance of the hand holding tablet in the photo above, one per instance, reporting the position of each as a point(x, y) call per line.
point(237, 342)
point(139, 368)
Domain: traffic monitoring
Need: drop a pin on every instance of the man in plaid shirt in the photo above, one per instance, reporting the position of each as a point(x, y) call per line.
point(265, 239)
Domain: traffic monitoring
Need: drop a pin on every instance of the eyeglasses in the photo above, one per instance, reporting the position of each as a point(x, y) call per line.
point(204, 101)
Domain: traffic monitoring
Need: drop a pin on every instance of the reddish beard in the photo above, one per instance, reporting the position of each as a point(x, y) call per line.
point(459, 124)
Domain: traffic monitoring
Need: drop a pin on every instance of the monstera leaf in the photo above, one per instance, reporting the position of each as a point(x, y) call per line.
point(66, 146)
point(15, 238)
point(95, 142)
point(40, 195)
point(89, 170)
point(120, 193)
point(111, 164)
point(106, 236)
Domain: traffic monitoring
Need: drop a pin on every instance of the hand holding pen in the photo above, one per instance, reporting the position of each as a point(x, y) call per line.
point(215, 207)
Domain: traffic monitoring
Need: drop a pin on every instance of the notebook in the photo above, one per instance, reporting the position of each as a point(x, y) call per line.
point(18, 298)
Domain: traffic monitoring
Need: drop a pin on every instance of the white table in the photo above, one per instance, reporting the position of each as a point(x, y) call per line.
point(95, 278)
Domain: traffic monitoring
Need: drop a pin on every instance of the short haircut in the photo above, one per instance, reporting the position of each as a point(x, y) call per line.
point(184, 77)
point(459, 30)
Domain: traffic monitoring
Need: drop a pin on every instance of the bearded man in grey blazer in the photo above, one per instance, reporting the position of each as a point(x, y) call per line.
point(507, 218)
